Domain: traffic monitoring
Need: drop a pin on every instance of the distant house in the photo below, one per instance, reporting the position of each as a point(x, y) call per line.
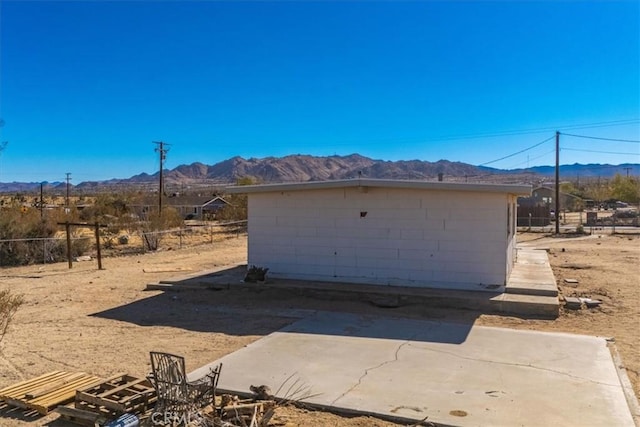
point(545, 196)
point(541, 205)
point(385, 232)
point(189, 207)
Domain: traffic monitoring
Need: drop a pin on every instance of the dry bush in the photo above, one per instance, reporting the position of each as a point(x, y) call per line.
point(152, 229)
point(23, 229)
point(9, 304)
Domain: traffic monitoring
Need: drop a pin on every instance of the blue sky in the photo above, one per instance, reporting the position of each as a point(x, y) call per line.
point(86, 86)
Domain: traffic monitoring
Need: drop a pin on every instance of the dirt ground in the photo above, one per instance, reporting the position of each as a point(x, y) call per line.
point(103, 322)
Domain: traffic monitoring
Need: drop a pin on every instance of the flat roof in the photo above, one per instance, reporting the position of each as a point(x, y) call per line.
point(516, 189)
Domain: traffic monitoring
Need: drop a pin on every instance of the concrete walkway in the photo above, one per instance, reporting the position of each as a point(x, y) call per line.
point(450, 374)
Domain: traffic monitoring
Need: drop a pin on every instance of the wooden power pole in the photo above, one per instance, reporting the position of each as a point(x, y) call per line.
point(66, 200)
point(162, 151)
point(557, 207)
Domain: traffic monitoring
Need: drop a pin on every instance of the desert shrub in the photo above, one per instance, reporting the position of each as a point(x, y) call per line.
point(153, 226)
point(9, 304)
point(20, 227)
point(108, 208)
point(236, 210)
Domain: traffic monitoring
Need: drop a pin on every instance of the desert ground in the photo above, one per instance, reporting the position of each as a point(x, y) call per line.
point(103, 321)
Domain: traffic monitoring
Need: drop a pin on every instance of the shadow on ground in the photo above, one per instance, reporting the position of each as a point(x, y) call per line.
point(199, 311)
point(220, 303)
point(19, 414)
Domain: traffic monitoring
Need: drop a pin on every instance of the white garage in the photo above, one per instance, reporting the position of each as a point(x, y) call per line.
point(386, 232)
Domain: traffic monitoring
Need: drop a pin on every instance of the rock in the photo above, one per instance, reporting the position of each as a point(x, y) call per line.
point(571, 282)
point(572, 303)
point(590, 303)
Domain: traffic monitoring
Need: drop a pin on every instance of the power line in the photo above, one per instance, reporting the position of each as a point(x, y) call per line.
point(535, 158)
point(497, 134)
point(595, 125)
point(603, 139)
point(601, 152)
point(519, 152)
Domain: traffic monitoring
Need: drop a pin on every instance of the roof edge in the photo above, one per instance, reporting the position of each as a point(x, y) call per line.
point(517, 189)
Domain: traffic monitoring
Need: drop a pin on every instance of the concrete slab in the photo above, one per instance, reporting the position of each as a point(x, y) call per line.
point(526, 305)
point(532, 274)
point(452, 374)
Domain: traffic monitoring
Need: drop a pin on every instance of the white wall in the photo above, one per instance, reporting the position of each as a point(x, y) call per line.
point(408, 237)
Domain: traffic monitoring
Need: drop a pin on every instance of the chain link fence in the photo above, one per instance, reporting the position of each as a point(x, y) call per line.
point(26, 251)
point(607, 222)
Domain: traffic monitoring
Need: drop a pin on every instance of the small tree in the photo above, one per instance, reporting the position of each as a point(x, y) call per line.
point(626, 189)
point(598, 191)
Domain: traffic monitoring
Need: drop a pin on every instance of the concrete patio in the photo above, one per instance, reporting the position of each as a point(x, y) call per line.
point(449, 374)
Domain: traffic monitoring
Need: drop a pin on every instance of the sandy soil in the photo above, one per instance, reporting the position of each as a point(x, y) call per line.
point(103, 322)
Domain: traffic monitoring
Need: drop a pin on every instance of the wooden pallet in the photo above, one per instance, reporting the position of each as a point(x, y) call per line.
point(117, 395)
point(47, 391)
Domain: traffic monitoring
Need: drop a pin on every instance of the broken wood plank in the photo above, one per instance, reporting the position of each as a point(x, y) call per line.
point(247, 408)
point(79, 416)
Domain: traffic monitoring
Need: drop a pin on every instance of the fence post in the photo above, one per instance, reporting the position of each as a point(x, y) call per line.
point(98, 246)
point(180, 237)
point(614, 223)
point(67, 227)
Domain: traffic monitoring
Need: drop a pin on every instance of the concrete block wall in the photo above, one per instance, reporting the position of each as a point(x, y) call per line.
point(381, 235)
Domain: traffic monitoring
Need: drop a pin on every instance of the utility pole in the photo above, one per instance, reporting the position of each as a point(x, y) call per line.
point(162, 151)
point(627, 169)
point(66, 201)
point(41, 201)
point(557, 208)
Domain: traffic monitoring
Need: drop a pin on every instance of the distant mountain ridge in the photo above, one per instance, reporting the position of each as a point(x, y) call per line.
point(300, 168)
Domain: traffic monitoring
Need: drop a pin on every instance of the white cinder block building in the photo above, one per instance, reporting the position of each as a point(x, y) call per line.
point(386, 232)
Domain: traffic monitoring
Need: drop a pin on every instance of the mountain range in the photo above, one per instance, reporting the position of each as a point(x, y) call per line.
point(299, 168)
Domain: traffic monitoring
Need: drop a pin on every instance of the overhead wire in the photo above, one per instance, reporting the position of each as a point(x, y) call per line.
point(518, 152)
point(601, 152)
point(534, 158)
point(497, 134)
point(634, 141)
